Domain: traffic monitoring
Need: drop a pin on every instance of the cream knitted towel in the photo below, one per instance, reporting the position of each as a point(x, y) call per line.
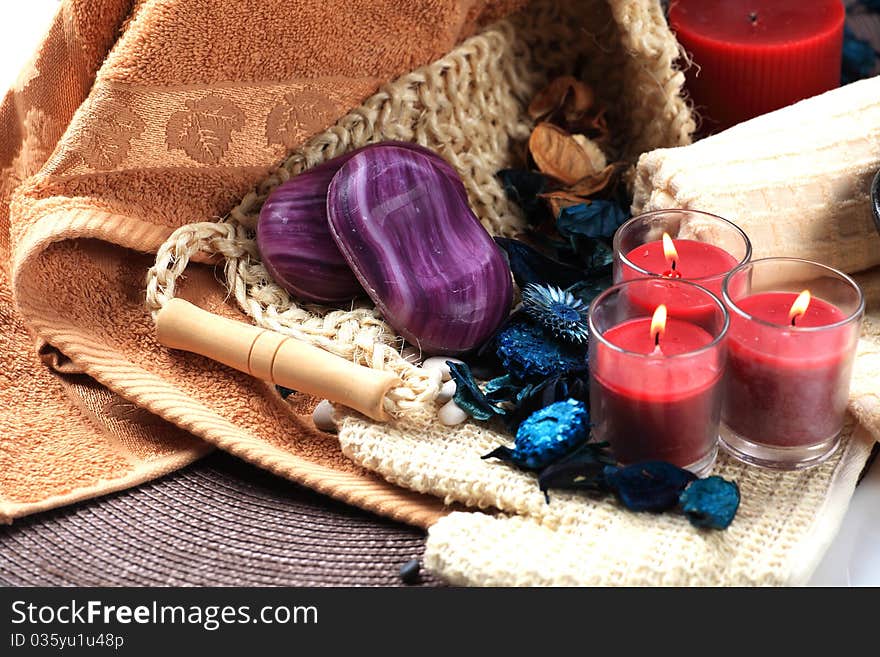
point(783, 527)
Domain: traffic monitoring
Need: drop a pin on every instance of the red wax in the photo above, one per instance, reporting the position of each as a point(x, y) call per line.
point(755, 56)
point(699, 262)
point(664, 406)
point(784, 387)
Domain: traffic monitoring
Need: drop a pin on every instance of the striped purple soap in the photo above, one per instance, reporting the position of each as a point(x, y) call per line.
point(294, 239)
point(418, 250)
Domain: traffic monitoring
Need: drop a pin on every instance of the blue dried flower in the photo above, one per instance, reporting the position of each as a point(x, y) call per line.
point(523, 188)
point(468, 396)
point(530, 266)
point(592, 220)
point(547, 435)
point(710, 502)
point(648, 486)
point(557, 310)
point(590, 288)
point(530, 353)
point(859, 58)
point(535, 396)
point(582, 469)
point(284, 392)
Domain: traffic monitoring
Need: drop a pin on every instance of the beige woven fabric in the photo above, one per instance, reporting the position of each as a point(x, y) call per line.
point(783, 527)
point(470, 107)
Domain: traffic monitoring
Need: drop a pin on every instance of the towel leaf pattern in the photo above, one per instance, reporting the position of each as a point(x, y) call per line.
point(300, 115)
point(107, 141)
point(204, 130)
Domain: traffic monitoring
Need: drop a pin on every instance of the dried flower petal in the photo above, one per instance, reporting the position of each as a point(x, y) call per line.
point(547, 435)
point(583, 469)
point(468, 396)
point(593, 220)
point(648, 486)
point(523, 188)
point(503, 388)
point(530, 353)
point(595, 182)
point(711, 502)
point(563, 156)
point(593, 124)
point(530, 266)
point(284, 392)
point(557, 310)
point(560, 199)
point(535, 396)
point(590, 288)
point(565, 93)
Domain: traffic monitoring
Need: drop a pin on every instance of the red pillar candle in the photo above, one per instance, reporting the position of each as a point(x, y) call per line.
point(655, 388)
point(793, 331)
point(754, 56)
point(699, 247)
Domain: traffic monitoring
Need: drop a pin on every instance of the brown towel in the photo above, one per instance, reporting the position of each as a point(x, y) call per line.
point(132, 119)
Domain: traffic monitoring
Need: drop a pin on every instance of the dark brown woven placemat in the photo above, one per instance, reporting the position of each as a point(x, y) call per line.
point(219, 522)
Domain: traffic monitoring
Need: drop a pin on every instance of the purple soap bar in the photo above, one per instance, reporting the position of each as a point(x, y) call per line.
point(295, 241)
point(418, 250)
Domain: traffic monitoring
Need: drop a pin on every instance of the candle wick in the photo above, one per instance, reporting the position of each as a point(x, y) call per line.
point(753, 17)
point(657, 340)
point(673, 265)
point(793, 318)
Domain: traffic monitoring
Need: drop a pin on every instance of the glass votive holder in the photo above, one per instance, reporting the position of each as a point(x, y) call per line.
point(655, 390)
point(705, 248)
point(794, 327)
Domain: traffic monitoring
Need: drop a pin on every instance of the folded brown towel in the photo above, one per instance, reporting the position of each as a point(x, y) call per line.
point(131, 120)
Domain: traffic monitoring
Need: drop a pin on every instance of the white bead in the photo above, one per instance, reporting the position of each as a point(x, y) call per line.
point(323, 418)
point(447, 392)
point(450, 414)
point(439, 363)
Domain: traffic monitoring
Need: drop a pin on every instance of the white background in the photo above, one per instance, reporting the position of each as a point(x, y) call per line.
point(854, 556)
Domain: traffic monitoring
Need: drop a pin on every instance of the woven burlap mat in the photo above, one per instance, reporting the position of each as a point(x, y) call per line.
point(219, 522)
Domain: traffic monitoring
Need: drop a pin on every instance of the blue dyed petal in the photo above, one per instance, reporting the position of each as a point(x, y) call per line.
point(594, 219)
point(284, 392)
point(532, 354)
point(547, 436)
point(550, 433)
point(859, 58)
point(468, 396)
point(530, 266)
point(582, 469)
point(523, 187)
point(648, 486)
point(711, 503)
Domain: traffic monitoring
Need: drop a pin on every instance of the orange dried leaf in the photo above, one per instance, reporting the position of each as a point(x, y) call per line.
point(593, 183)
point(562, 199)
point(566, 157)
point(593, 125)
point(567, 93)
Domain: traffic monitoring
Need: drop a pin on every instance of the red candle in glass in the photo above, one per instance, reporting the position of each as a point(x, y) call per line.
point(679, 244)
point(789, 364)
point(755, 56)
point(655, 387)
point(685, 259)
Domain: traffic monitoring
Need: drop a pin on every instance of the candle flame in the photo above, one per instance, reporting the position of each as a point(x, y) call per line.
point(799, 307)
point(669, 251)
point(658, 324)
